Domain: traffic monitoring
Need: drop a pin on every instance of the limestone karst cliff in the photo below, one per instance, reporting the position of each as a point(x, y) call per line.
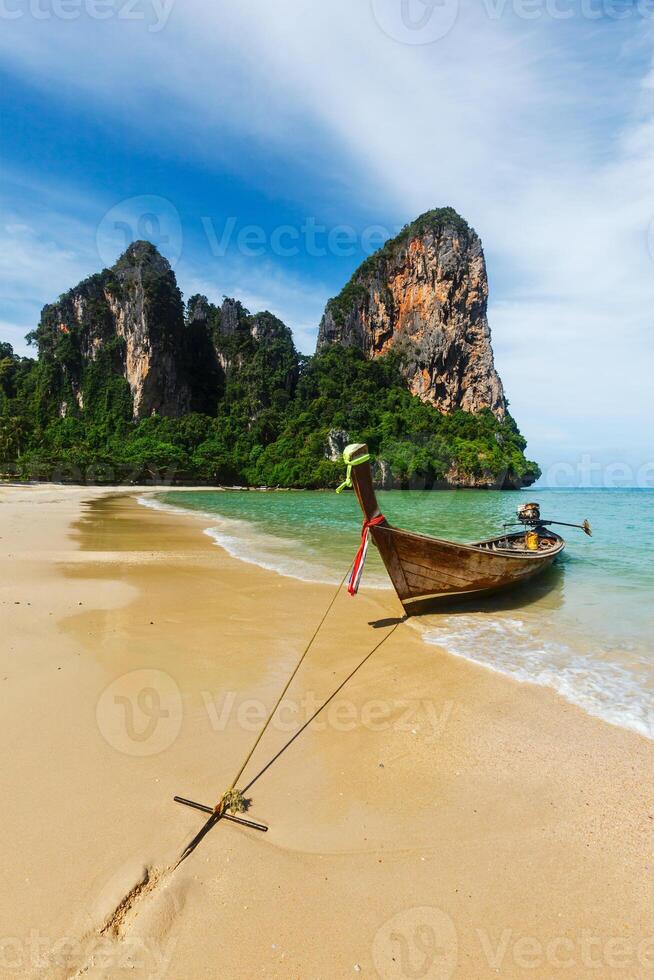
point(424, 294)
point(130, 317)
point(129, 322)
point(131, 384)
point(255, 351)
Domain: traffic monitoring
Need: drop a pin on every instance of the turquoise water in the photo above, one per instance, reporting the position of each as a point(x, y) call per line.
point(584, 628)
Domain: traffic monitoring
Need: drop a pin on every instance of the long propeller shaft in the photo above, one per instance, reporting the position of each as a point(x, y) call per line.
point(585, 527)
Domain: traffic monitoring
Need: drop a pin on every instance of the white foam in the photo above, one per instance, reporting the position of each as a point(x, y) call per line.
point(263, 550)
point(157, 505)
point(619, 693)
point(615, 685)
point(245, 541)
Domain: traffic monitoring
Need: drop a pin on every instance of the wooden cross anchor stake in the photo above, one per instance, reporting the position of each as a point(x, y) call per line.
point(225, 816)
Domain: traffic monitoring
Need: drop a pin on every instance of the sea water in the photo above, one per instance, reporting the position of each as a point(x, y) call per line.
point(585, 627)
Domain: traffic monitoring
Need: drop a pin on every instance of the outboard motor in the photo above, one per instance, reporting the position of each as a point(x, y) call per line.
point(529, 513)
point(529, 517)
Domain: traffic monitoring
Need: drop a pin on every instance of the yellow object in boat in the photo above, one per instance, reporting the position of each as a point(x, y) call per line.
point(531, 540)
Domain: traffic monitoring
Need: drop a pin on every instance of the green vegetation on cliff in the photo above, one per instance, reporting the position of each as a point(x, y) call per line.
point(265, 432)
point(131, 385)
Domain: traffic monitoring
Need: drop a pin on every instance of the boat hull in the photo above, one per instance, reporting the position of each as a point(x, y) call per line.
point(423, 568)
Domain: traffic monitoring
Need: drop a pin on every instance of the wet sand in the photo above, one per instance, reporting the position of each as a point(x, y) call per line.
point(435, 820)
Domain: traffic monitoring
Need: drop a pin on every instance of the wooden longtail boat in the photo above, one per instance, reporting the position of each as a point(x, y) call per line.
point(424, 569)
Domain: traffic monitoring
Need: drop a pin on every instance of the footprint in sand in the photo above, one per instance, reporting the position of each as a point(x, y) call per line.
point(126, 927)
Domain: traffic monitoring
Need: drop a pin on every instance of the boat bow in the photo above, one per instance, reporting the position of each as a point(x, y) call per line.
point(425, 568)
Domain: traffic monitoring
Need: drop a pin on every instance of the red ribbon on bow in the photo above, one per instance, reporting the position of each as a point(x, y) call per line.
point(359, 561)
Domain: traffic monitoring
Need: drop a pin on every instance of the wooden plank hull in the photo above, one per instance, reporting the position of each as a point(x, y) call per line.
point(422, 568)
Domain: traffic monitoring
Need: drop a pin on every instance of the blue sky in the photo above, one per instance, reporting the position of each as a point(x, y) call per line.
point(266, 148)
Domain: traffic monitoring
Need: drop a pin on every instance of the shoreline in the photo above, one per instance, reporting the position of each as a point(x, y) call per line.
point(476, 805)
point(163, 487)
point(421, 625)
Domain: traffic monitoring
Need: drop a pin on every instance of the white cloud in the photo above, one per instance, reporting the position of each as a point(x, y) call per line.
point(36, 265)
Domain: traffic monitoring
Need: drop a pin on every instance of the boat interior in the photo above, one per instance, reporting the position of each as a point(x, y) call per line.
point(518, 542)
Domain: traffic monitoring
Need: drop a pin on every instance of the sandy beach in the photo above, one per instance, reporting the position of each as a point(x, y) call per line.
point(435, 820)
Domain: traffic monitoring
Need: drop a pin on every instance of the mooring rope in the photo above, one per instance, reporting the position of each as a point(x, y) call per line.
point(220, 811)
point(231, 798)
point(327, 701)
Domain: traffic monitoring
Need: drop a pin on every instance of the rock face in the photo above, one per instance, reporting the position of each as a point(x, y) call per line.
point(129, 323)
point(424, 295)
point(121, 348)
point(147, 314)
point(337, 440)
point(131, 315)
point(242, 343)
